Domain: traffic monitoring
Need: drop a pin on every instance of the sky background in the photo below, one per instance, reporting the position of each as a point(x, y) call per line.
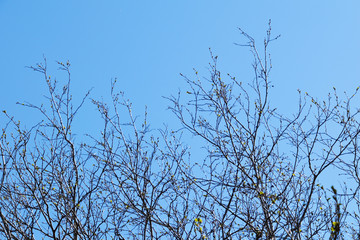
point(146, 44)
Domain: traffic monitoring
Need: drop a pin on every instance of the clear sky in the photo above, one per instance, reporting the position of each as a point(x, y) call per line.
point(146, 44)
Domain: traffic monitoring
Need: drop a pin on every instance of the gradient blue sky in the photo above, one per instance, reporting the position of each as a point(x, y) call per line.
point(146, 44)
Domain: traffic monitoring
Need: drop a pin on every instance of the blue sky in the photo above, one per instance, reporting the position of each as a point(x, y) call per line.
point(146, 44)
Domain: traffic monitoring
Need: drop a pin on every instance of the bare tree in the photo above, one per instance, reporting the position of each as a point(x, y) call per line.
point(260, 177)
point(49, 182)
point(146, 200)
